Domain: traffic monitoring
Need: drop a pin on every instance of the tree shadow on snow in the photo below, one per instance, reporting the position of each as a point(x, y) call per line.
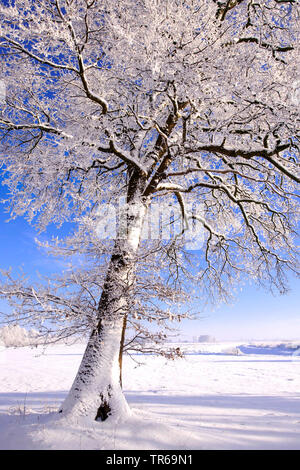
point(239, 402)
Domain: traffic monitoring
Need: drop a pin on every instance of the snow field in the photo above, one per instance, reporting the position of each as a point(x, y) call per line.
point(213, 398)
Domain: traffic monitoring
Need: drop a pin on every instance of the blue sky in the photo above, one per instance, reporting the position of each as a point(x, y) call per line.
point(255, 314)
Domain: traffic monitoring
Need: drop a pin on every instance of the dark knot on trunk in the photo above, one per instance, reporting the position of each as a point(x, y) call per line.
point(104, 410)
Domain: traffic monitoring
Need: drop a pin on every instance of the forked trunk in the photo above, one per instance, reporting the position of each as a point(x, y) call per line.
point(96, 391)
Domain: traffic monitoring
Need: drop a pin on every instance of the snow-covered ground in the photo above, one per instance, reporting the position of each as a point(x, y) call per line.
point(219, 396)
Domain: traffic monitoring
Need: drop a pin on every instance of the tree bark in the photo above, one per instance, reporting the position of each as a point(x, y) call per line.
point(96, 391)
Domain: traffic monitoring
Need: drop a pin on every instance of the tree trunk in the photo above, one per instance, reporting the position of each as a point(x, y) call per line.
point(96, 391)
point(122, 349)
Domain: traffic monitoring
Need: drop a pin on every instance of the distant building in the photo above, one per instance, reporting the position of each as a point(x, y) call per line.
point(206, 339)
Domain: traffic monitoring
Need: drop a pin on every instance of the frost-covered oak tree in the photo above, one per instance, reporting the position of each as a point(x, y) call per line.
point(170, 101)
